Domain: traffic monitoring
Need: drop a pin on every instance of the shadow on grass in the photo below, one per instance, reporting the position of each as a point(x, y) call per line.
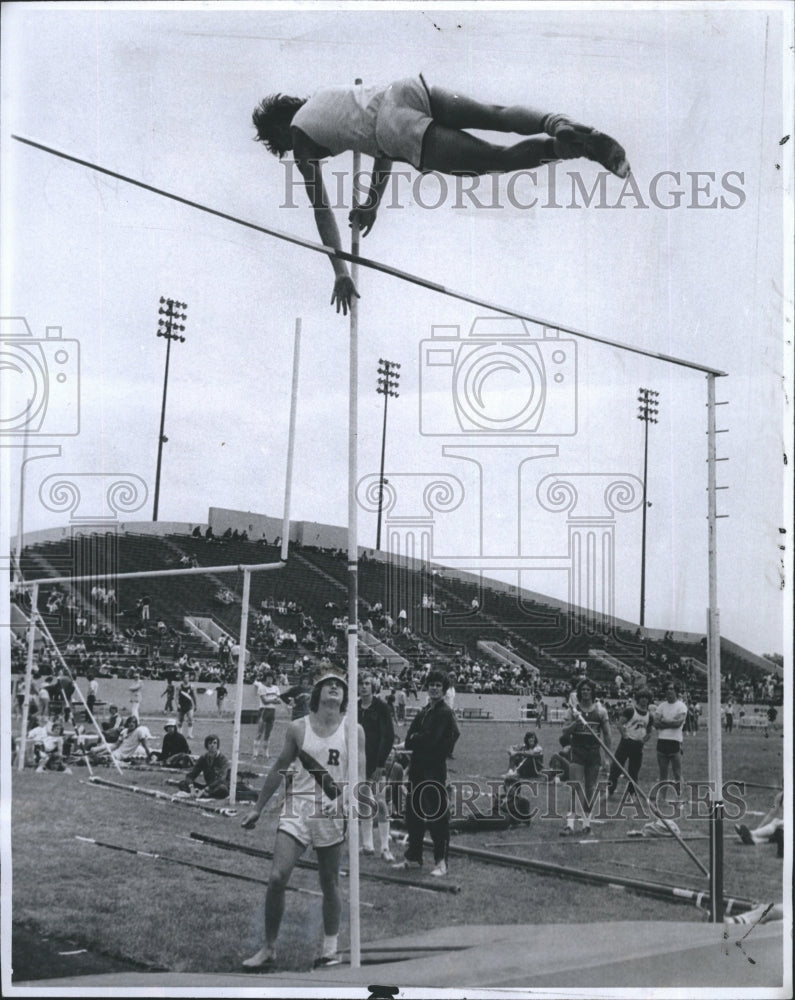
point(37, 955)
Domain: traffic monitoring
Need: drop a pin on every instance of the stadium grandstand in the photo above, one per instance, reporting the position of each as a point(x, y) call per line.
point(493, 639)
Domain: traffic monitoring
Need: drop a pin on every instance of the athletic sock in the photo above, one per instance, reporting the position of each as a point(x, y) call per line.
point(570, 821)
point(366, 827)
point(383, 830)
point(329, 944)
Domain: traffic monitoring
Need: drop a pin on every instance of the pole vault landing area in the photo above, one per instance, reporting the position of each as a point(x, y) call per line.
point(630, 954)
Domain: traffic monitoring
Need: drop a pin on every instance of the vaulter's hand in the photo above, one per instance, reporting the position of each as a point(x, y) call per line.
point(250, 820)
point(364, 217)
point(344, 290)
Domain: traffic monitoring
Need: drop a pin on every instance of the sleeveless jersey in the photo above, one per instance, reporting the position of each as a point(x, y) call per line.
point(330, 753)
point(582, 735)
point(342, 118)
point(637, 725)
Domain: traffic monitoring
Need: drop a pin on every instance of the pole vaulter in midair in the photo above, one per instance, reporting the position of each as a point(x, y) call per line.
point(409, 122)
point(345, 294)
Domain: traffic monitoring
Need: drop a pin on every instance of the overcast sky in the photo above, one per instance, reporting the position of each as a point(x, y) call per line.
point(688, 263)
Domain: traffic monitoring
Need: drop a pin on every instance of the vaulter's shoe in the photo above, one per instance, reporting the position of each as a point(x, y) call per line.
point(263, 961)
point(325, 961)
point(577, 140)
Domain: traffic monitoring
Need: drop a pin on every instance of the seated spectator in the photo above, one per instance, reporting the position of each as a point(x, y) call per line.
point(527, 760)
point(47, 741)
point(770, 828)
point(175, 751)
point(112, 725)
point(131, 744)
point(214, 768)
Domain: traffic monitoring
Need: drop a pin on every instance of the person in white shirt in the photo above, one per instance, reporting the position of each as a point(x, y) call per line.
point(268, 694)
point(669, 720)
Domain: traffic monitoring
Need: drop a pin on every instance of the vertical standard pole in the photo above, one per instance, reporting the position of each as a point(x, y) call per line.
point(353, 593)
point(643, 543)
point(162, 427)
point(241, 666)
point(291, 441)
point(713, 676)
point(381, 478)
point(34, 613)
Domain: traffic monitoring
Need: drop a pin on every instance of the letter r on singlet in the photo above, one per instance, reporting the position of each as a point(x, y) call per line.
point(333, 758)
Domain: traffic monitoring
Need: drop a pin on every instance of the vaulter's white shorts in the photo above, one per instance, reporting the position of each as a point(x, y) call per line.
point(403, 119)
point(303, 820)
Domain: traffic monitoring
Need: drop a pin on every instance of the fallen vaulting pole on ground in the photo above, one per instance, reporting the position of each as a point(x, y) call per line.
point(189, 864)
point(671, 827)
point(657, 889)
point(590, 840)
point(256, 852)
point(374, 265)
point(205, 804)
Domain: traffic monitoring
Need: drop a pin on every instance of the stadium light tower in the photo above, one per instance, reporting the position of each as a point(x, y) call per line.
point(168, 326)
point(647, 412)
point(387, 386)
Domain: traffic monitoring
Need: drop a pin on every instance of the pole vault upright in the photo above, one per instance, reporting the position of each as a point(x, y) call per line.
point(353, 589)
point(714, 735)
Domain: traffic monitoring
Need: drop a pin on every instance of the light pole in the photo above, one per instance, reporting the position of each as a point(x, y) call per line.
point(168, 326)
point(387, 386)
point(647, 412)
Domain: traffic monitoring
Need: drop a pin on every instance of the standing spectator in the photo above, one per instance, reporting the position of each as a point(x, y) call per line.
point(220, 695)
point(93, 693)
point(316, 749)
point(214, 767)
point(431, 737)
point(729, 715)
point(145, 607)
point(186, 706)
point(586, 725)
point(268, 696)
point(298, 697)
point(635, 725)
point(135, 695)
point(400, 706)
point(669, 719)
point(379, 736)
point(175, 751)
point(168, 694)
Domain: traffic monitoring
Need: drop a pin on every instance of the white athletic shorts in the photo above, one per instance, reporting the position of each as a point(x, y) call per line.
point(403, 119)
point(303, 820)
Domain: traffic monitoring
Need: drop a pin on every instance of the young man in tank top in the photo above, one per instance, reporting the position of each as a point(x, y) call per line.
point(316, 749)
point(635, 725)
point(408, 121)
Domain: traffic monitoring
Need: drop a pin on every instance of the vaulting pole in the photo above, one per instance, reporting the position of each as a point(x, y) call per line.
point(241, 668)
point(353, 588)
point(288, 486)
point(34, 613)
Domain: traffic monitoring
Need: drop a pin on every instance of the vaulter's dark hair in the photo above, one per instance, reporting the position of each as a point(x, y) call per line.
point(314, 698)
point(272, 113)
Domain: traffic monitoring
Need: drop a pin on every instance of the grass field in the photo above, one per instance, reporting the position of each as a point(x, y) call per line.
point(178, 918)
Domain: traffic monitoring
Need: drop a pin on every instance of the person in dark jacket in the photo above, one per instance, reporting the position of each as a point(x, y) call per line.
point(430, 739)
point(379, 735)
point(213, 767)
point(175, 751)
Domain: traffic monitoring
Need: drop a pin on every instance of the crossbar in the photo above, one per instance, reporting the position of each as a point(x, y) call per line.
point(190, 571)
point(355, 258)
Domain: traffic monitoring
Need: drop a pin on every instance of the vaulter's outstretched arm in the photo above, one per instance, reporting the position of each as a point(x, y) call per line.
point(308, 163)
point(365, 214)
